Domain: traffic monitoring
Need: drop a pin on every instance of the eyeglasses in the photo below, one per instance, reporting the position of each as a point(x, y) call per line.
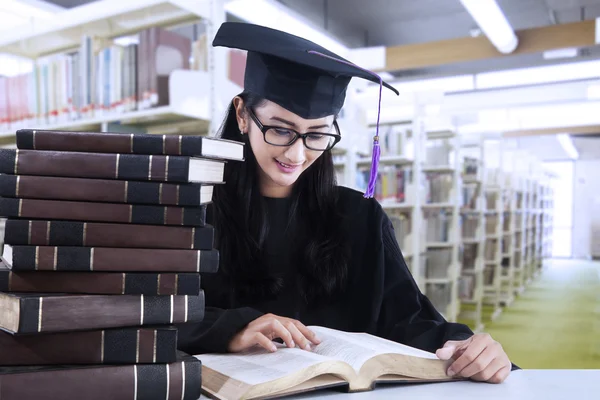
point(279, 136)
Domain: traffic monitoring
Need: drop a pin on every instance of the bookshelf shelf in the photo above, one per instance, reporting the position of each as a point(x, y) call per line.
point(441, 169)
point(102, 19)
point(186, 113)
point(385, 160)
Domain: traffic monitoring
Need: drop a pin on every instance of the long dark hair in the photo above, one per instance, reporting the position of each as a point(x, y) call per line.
point(319, 245)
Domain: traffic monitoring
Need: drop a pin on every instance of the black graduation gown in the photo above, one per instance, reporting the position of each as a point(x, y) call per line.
point(382, 297)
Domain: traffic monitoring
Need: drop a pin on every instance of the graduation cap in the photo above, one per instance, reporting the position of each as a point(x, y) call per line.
point(298, 75)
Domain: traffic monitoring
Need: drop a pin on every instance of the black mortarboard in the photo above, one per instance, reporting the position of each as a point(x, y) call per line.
point(296, 74)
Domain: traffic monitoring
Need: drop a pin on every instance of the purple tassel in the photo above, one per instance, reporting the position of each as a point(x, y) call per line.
point(374, 166)
point(370, 192)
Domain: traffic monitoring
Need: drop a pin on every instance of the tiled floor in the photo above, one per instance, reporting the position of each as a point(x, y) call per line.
point(555, 323)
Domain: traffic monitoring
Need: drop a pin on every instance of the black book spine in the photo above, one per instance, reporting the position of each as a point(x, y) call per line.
point(131, 192)
point(73, 233)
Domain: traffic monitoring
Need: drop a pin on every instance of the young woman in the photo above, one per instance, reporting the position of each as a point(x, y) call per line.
point(296, 249)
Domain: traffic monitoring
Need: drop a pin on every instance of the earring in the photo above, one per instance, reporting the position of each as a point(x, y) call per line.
point(241, 132)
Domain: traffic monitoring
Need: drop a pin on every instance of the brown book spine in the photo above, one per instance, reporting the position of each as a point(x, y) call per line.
point(97, 234)
point(109, 346)
point(110, 142)
point(175, 381)
point(102, 190)
point(103, 212)
point(35, 313)
point(99, 283)
point(71, 258)
point(95, 165)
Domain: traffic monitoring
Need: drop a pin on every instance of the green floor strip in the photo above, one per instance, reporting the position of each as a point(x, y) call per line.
point(555, 323)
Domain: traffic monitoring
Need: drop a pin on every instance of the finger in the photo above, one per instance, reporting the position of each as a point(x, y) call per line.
point(501, 375)
point(450, 348)
point(480, 363)
point(486, 374)
point(277, 330)
point(472, 351)
point(263, 341)
point(298, 337)
point(310, 335)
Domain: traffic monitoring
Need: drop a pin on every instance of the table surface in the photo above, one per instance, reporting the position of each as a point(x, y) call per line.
point(549, 384)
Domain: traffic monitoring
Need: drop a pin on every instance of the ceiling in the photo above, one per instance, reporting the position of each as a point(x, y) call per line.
point(400, 22)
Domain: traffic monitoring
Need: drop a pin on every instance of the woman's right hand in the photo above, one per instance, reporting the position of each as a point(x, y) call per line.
point(263, 330)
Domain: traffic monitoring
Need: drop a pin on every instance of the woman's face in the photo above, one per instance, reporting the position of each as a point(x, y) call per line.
point(280, 166)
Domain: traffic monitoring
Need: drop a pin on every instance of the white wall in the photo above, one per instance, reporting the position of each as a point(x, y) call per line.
point(586, 206)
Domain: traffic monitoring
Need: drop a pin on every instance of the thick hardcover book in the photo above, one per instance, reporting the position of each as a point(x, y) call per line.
point(35, 312)
point(105, 190)
point(136, 167)
point(147, 284)
point(130, 143)
point(104, 346)
point(102, 212)
point(353, 361)
point(109, 259)
point(98, 234)
point(180, 380)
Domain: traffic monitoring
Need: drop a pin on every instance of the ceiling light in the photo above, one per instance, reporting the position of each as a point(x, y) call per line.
point(493, 23)
point(537, 75)
point(593, 92)
point(567, 145)
point(561, 53)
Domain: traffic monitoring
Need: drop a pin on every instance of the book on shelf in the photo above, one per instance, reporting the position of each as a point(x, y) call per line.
point(489, 275)
point(439, 187)
point(440, 295)
point(470, 225)
point(469, 255)
point(391, 183)
point(104, 77)
point(130, 345)
point(351, 361)
point(438, 263)
point(141, 167)
point(437, 225)
point(181, 379)
point(466, 287)
point(105, 190)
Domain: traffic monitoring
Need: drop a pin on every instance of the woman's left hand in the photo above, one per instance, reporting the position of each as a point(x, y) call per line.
point(480, 358)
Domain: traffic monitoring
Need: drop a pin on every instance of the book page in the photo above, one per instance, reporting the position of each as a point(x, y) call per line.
point(258, 366)
point(357, 348)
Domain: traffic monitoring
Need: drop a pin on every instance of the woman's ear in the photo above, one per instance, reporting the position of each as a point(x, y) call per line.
point(240, 114)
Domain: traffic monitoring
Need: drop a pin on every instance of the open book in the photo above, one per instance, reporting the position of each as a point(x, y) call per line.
point(354, 360)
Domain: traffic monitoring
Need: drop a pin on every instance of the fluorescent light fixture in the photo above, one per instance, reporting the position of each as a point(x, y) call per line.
point(274, 15)
point(593, 92)
point(537, 75)
point(567, 145)
point(561, 53)
point(14, 13)
point(493, 23)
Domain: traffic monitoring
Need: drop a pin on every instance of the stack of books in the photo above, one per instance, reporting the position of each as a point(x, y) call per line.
point(104, 239)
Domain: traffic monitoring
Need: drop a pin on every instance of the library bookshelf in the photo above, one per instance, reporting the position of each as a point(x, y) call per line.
point(472, 215)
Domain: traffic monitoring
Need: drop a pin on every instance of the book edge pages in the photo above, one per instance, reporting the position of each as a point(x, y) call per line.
point(229, 387)
point(405, 366)
point(202, 170)
point(10, 315)
point(225, 149)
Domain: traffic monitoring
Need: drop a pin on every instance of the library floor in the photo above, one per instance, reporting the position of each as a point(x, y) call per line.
point(555, 323)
